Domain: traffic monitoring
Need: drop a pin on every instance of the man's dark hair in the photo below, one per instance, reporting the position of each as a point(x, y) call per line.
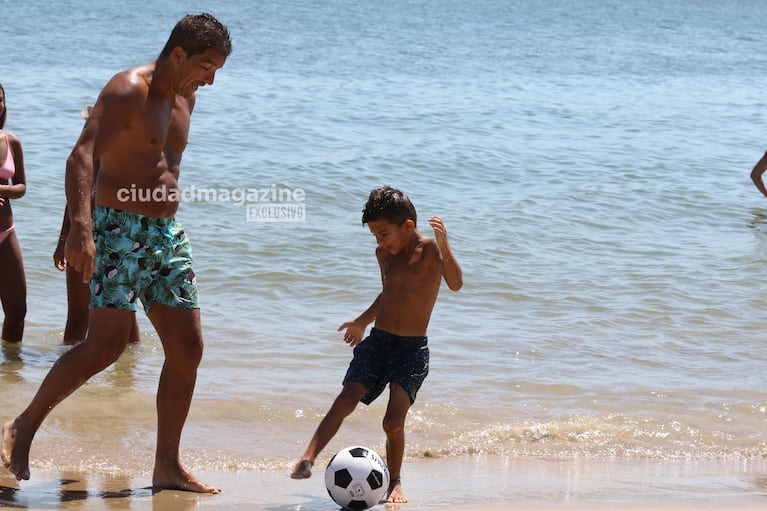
point(389, 204)
point(196, 33)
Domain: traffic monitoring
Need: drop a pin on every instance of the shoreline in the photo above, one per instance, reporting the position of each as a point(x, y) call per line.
point(475, 483)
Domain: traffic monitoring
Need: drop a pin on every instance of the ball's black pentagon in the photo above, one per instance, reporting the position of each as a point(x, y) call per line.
point(357, 504)
point(358, 452)
point(375, 479)
point(342, 478)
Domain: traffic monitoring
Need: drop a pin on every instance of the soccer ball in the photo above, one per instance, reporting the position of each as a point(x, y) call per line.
point(357, 478)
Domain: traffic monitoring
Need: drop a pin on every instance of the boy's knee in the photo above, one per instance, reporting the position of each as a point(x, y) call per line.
point(347, 401)
point(393, 425)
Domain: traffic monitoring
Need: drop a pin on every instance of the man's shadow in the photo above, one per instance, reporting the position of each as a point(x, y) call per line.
point(50, 495)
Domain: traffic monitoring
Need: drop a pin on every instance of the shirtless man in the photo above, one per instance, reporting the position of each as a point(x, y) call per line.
point(396, 352)
point(133, 248)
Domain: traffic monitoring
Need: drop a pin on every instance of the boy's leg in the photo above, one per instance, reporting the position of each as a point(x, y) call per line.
point(344, 404)
point(181, 336)
point(107, 338)
point(394, 426)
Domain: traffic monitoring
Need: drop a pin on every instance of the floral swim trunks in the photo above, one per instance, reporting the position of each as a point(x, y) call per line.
point(141, 257)
point(382, 358)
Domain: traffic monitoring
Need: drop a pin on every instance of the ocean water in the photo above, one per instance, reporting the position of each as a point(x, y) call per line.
point(591, 160)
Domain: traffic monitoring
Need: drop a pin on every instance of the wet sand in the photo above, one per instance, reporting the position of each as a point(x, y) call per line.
point(474, 483)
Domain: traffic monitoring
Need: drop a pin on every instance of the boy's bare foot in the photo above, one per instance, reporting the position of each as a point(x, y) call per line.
point(303, 470)
point(395, 495)
point(15, 457)
point(180, 480)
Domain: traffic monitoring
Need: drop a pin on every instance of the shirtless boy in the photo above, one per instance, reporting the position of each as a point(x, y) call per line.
point(133, 249)
point(396, 351)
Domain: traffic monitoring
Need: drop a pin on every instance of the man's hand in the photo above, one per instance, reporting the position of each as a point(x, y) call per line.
point(80, 251)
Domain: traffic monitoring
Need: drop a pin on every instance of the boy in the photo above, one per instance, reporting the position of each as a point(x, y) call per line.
point(396, 351)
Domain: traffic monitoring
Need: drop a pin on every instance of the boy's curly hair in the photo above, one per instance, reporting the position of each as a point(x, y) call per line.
point(387, 203)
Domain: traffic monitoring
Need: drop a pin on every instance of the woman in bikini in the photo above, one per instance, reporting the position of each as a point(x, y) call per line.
point(13, 283)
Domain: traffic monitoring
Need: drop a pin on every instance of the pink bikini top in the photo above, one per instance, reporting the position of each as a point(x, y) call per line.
point(8, 168)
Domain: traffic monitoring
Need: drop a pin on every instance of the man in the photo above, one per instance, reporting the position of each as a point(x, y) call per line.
point(130, 245)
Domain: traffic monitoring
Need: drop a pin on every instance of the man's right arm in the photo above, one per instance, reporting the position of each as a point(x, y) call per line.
point(122, 97)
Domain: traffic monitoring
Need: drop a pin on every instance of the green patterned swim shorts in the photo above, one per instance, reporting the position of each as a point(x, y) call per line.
point(140, 257)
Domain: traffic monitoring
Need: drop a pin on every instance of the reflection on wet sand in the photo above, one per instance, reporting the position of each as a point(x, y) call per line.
point(50, 494)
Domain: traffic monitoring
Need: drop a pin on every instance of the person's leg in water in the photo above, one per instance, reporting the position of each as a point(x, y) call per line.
point(78, 303)
point(394, 427)
point(13, 288)
point(107, 337)
point(181, 335)
point(342, 407)
point(78, 310)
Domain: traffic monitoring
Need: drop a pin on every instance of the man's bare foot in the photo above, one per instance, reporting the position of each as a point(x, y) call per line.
point(15, 457)
point(180, 480)
point(303, 470)
point(395, 495)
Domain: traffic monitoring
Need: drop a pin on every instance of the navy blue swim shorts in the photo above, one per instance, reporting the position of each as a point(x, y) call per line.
point(382, 358)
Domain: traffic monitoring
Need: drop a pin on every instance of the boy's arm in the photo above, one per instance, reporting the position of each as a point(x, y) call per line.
point(451, 270)
point(757, 172)
point(355, 330)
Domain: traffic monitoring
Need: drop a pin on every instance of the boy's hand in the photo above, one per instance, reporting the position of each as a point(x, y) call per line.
point(440, 231)
point(451, 270)
point(354, 333)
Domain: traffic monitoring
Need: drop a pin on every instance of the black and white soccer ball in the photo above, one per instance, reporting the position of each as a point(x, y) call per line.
point(357, 478)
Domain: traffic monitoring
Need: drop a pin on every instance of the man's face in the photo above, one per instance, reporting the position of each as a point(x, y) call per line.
point(197, 71)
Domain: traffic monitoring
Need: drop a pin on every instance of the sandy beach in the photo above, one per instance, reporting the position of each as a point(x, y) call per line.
point(474, 483)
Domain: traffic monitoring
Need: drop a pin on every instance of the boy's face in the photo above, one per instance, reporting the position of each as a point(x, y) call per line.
point(392, 237)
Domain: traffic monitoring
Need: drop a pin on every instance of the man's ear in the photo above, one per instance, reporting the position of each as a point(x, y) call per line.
point(409, 225)
point(178, 54)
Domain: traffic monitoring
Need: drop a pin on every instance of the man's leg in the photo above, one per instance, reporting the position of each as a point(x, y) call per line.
point(394, 426)
point(181, 336)
point(343, 405)
point(107, 338)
